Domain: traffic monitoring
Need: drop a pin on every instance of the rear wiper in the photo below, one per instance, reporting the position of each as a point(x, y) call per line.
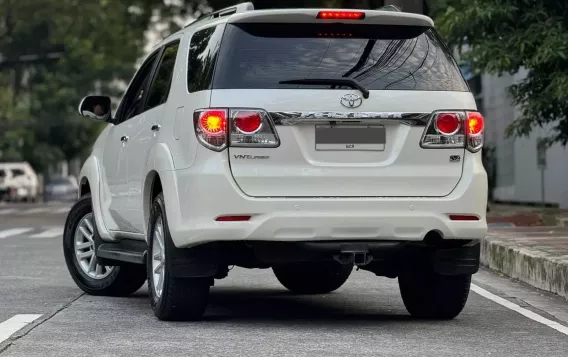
point(339, 81)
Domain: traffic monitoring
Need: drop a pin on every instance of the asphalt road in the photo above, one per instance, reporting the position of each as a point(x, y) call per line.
point(251, 314)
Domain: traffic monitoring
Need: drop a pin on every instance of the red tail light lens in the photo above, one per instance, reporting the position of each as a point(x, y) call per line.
point(341, 15)
point(247, 122)
point(213, 122)
point(475, 123)
point(447, 123)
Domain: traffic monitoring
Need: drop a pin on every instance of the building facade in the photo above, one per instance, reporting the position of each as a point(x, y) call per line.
point(523, 173)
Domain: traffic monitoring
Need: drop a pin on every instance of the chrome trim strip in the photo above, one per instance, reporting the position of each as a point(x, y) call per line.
point(293, 118)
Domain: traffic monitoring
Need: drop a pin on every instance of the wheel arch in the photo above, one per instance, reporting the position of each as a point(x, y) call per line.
point(159, 173)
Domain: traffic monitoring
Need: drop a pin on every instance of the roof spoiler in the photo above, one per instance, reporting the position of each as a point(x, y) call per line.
point(372, 17)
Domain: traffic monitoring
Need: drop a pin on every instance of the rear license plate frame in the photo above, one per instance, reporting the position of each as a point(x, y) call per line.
point(324, 137)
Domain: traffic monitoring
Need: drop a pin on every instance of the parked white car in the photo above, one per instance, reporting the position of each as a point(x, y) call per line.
point(305, 141)
point(18, 182)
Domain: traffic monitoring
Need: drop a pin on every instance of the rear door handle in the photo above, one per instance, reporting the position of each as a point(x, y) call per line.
point(124, 139)
point(156, 127)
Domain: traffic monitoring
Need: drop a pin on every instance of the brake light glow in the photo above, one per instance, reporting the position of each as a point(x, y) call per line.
point(213, 121)
point(475, 123)
point(341, 15)
point(248, 122)
point(447, 123)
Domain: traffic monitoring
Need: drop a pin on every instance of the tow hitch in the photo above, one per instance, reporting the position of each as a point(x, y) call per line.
point(357, 255)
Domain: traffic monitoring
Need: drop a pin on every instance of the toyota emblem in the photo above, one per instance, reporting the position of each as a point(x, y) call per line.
point(351, 100)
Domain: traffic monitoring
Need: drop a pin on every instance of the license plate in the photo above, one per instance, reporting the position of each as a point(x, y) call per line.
point(350, 137)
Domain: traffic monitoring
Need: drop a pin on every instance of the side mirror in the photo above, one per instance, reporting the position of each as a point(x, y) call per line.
point(96, 107)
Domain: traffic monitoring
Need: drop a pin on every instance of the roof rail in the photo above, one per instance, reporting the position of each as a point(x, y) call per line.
point(242, 7)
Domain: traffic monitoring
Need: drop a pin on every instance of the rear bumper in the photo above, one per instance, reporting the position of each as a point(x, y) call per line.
point(196, 196)
point(384, 258)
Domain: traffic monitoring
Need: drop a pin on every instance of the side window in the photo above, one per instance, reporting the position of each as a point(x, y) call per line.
point(17, 172)
point(160, 88)
point(203, 50)
point(133, 99)
point(2, 173)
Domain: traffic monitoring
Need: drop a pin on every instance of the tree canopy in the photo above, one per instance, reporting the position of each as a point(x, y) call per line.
point(507, 36)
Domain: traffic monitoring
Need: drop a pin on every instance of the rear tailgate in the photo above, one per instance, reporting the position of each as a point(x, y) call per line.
point(333, 141)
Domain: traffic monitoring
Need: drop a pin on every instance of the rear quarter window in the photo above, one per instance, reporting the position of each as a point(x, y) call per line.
point(203, 51)
point(380, 57)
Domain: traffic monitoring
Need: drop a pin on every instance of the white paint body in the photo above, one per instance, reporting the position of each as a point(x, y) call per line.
point(401, 193)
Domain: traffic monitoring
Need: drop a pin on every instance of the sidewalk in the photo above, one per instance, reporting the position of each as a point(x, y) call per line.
point(535, 255)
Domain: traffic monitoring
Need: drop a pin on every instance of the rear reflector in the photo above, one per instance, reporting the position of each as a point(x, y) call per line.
point(461, 217)
point(232, 218)
point(341, 15)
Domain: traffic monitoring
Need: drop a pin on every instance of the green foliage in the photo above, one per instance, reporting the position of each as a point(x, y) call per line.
point(266, 4)
point(101, 41)
point(508, 36)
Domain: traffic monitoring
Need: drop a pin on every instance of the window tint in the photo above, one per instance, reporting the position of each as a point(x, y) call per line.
point(133, 99)
point(2, 173)
point(380, 57)
point(203, 50)
point(160, 88)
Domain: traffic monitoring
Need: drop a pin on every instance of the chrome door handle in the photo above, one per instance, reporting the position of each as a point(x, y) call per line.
point(124, 139)
point(156, 127)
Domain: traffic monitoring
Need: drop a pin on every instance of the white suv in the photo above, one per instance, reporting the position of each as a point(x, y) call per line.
point(302, 140)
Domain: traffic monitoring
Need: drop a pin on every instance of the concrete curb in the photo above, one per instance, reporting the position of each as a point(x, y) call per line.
point(537, 268)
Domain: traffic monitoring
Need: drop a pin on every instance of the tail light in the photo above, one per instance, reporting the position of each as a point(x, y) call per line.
point(454, 129)
point(218, 128)
point(211, 128)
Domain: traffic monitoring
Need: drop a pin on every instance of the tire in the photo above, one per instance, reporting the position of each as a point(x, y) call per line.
point(429, 295)
point(112, 281)
point(312, 278)
point(174, 299)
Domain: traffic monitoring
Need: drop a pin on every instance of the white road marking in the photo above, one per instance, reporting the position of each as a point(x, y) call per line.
point(62, 210)
point(49, 233)
point(13, 232)
point(13, 324)
point(7, 210)
point(512, 306)
point(36, 210)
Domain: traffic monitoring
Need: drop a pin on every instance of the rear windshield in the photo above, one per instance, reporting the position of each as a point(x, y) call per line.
point(380, 57)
